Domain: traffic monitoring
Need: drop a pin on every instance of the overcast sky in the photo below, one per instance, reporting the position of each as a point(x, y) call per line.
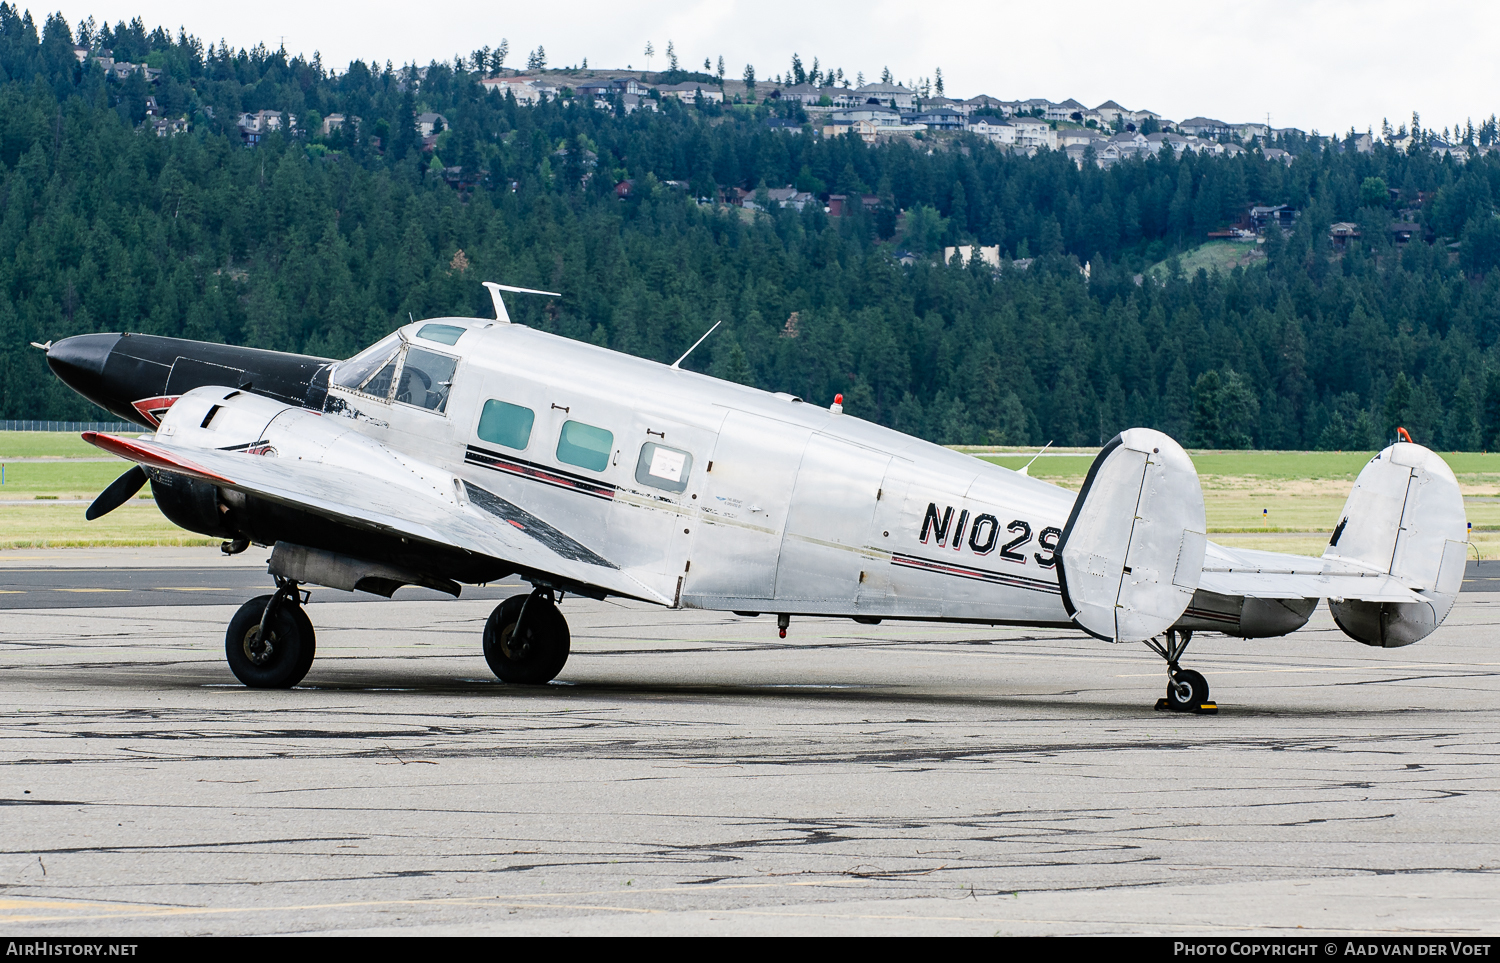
point(1315, 64)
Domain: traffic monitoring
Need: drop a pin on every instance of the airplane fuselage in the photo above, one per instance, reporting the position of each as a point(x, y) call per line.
point(715, 495)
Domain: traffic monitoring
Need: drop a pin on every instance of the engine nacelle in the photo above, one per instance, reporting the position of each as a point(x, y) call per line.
point(1386, 625)
point(191, 504)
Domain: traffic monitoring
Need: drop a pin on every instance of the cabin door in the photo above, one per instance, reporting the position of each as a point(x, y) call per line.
point(747, 492)
point(828, 547)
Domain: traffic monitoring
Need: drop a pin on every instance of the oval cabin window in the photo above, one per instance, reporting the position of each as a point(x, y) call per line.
point(502, 423)
point(584, 446)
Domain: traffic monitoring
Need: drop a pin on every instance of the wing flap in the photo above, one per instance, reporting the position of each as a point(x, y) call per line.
point(422, 509)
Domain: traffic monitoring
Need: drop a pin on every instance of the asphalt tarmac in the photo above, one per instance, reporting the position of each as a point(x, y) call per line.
point(691, 773)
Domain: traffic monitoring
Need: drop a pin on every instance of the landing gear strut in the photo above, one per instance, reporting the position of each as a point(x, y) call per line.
point(1187, 691)
point(526, 640)
point(270, 643)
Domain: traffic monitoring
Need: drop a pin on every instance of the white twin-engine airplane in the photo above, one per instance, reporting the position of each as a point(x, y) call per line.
point(462, 450)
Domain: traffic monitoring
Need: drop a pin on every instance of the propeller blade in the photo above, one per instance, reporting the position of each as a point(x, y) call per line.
point(120, 491)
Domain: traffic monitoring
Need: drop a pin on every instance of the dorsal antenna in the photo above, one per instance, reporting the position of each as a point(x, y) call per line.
point(695, 345)
point(501, 314)
point(1025, 469)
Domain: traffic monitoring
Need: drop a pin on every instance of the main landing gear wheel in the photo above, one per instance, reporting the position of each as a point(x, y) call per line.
point(1187, 690)
point(526, 640)
point(270, 643)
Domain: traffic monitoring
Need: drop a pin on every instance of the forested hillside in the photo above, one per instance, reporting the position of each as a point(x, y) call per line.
point(323, 244)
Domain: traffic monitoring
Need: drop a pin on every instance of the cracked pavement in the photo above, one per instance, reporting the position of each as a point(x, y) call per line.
point(692, 773)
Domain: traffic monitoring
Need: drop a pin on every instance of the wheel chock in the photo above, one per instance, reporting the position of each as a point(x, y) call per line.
point(1205, 709)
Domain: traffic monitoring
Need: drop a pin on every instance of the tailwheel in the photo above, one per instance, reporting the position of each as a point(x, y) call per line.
point(526, 639)
point(1187, 690)
point(270, 643)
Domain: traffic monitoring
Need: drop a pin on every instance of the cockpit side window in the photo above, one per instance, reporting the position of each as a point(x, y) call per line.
point(426, 379)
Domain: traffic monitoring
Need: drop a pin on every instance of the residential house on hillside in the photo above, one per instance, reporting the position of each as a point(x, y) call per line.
point(892, 95)
point(691, 91)
point(808, 94)
point(1276, 154)
point(519, 88)
point(526, 90)
point(1138, 117)
point(940, 118)
point(331, 123)
point(877, 114)
point(934, 103)
point(999, 131)
point(986, 102)
point(1205, 127)
point(1109, 111)
point(1066, 110)
point(430, 123)
point(865, 130)
point(779, 197)
point(253, 127)
point(1177, 142)
point(1033, 132)
point(601, 93)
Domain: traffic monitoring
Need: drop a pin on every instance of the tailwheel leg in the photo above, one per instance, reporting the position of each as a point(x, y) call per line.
point(1187, 690)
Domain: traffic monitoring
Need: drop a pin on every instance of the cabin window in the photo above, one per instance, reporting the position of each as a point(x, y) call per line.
point(663, 467)
point(441, 333)
point(584, 446)
point(354, 373)
point(502, 423)
point(426, 378)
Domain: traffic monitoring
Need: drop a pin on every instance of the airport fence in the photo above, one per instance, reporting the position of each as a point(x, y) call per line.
point(109, 426)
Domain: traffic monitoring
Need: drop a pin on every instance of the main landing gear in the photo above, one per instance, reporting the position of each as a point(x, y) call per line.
point(1187, 691)
point(526, 640)
point(270, 643)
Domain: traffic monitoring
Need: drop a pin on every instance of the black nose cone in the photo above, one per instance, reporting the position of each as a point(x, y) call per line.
point(79, 362)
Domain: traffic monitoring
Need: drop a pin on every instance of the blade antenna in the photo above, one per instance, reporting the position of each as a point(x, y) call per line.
point(1027, 467)
point(501, 314)
point(695, 345)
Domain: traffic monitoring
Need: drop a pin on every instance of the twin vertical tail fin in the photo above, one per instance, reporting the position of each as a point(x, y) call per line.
point(1405, 518)
point(1132, 552)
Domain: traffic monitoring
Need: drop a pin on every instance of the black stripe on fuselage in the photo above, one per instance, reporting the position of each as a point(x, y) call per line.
point(977, 574)
point(495, 461)
point(560, 542)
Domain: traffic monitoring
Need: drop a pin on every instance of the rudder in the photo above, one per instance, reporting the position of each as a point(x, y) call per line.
point(1404, 517)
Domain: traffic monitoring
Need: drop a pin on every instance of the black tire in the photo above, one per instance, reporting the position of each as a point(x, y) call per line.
point(293, 645)
point(1195, 695)
point(542, 650)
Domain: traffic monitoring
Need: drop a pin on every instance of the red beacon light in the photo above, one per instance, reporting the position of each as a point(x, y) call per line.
point(838, 405)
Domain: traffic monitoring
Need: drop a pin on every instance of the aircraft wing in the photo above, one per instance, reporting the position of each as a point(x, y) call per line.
point(475, 520)
point(1272, 575)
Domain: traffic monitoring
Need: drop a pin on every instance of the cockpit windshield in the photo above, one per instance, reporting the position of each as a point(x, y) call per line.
point(353, 374)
